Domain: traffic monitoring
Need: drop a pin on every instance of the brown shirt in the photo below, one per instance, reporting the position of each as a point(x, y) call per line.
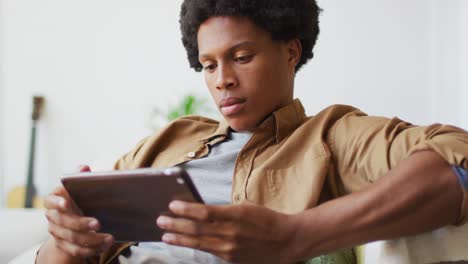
point(294, 162)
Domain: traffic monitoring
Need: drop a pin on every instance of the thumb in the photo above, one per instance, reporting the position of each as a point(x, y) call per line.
point(66, 201)
point(60, 191)
point(84, 168)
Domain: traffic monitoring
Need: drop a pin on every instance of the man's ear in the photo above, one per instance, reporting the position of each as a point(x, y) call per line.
point(294, 51)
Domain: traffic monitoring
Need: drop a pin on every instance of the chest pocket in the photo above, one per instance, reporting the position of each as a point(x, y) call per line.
point(295, 188)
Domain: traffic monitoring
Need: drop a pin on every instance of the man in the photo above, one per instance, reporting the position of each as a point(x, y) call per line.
point(280, 187)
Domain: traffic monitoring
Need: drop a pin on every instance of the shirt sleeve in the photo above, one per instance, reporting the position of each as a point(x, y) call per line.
point(364, 148)
point(126, 161)
point(462, 176)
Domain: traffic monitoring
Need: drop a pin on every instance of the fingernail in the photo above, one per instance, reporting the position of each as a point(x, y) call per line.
point(176, 205)
point(162, 221)
point(168, 238)
point(93, 224)
point(61, 202)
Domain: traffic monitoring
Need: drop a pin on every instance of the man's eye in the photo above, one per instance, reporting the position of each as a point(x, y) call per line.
point(209, 67)
point(243, 59)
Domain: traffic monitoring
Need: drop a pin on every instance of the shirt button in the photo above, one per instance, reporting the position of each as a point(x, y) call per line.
point(191, 154)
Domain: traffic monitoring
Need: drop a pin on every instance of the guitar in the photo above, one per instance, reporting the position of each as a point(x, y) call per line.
point(22, 196)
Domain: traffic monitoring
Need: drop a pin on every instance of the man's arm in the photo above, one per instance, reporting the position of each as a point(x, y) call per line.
point(421, 194)
point(365, 149)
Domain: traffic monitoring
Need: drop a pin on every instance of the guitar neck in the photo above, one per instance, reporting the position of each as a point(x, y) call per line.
point(30, 188)
point(38, 102)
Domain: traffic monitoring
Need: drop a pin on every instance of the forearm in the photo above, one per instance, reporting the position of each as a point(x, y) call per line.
point(49, 253)
point(419, 195)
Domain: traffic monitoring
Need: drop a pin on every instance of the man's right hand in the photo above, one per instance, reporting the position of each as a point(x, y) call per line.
point(72, 233)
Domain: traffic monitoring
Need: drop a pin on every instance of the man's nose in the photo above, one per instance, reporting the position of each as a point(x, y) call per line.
point(226, 78)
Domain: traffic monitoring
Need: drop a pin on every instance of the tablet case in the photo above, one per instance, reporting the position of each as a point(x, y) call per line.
point(127, 203)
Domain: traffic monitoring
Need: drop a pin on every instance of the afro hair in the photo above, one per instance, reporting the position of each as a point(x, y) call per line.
point(283, 19)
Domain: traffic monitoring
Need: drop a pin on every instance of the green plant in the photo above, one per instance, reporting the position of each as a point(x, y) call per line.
point(190, 104)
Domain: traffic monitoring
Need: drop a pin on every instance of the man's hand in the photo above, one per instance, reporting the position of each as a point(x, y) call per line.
point(72, 233)
point(245, 233)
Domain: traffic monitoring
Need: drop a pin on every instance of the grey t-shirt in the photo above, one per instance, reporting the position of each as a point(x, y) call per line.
point(212, 175)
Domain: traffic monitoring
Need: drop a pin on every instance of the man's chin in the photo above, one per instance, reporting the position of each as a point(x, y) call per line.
point(240, 125)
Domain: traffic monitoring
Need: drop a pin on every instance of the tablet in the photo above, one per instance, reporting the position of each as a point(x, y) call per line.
point(127, 203)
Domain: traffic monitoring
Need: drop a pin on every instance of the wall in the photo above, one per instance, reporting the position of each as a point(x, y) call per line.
point(103, 65)
point(374, 55)
point(449, 60)
point(2, 103)
point(463, 14)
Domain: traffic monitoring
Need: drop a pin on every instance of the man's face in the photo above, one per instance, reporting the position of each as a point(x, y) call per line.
point(248, 74)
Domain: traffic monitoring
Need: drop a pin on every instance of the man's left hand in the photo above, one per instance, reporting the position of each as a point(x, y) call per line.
point(245, 233)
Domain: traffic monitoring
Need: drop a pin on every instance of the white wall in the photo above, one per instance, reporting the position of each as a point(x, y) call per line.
point(374, 55)
point(1, 105)
point(390, 58)
point(449, 47)
point(103, 64)
point(463, 31)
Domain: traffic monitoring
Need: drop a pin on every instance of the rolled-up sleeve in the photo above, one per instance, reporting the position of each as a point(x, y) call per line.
point(365, 148)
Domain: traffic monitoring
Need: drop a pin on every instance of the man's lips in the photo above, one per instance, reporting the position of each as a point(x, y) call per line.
point(229, 101)
point(231, 105)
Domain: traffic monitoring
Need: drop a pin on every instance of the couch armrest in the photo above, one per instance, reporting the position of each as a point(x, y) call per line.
point(21, 230)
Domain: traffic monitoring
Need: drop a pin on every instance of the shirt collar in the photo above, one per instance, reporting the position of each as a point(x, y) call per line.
point(283, 121)
point(221, 131)
point(288, 118)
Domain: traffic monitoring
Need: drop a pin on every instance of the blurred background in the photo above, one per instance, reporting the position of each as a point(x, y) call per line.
point(104, 65)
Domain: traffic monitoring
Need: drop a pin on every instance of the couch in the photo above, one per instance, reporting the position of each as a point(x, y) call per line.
point(22, 231)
